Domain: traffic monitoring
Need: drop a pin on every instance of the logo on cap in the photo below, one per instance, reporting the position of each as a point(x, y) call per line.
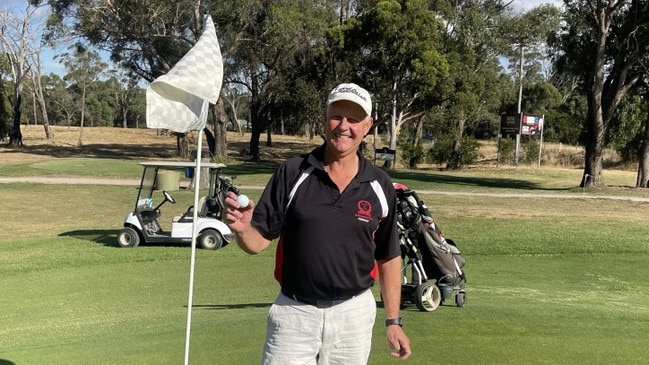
point(354, 94)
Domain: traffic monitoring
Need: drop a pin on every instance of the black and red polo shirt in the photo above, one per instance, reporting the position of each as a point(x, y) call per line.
point(328, 241)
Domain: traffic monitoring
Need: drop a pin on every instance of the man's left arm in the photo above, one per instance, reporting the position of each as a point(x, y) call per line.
point(390, 282)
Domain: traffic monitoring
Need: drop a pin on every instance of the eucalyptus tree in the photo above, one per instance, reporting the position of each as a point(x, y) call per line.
point(19, 43)
point(642, 180)
point(604, 43)
point(37, 86)
point(473, 39)
point(83, 67)
point(146, 37)
point(274, 34)
point(393, 47)
point(123, 92)
point(61, 105)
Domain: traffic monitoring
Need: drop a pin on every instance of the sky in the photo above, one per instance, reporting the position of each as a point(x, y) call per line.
point(525, 5)
point(50, 65)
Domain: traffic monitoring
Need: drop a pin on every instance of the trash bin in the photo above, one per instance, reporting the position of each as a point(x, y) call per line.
point(168, 180)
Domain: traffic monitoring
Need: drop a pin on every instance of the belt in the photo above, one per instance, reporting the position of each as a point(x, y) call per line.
point(319, 303)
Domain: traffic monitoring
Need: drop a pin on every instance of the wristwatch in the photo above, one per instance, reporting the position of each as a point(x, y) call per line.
point(394, 321)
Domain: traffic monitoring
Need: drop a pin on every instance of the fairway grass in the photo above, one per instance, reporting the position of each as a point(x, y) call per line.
point(550, 281)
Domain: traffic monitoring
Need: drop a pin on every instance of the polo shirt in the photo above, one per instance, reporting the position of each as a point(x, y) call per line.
point(328, 240)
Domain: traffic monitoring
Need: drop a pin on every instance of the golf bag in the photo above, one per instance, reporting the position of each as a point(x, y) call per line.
point(432, 263)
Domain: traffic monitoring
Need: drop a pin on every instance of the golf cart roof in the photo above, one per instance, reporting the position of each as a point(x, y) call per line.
point(181, 164)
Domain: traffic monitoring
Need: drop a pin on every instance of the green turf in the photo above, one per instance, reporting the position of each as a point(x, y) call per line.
point(550, 281)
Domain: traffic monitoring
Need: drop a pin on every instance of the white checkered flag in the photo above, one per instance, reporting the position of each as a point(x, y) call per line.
point(179, 99)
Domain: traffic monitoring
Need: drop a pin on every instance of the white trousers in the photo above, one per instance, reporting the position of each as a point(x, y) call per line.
point(302, 334)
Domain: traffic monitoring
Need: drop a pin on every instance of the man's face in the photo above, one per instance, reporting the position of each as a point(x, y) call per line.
point(345, 126)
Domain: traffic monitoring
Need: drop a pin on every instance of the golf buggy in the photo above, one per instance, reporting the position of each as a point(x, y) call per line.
point(142, 224)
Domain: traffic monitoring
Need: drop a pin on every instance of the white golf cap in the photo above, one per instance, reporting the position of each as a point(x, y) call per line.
point(353, 93)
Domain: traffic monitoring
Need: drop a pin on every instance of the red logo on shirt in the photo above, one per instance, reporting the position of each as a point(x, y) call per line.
point(364, 210)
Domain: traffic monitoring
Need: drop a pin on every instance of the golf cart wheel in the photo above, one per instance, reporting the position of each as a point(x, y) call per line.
point(210, 240)
point(460, 298)
point(128, 237)
point(427, 297)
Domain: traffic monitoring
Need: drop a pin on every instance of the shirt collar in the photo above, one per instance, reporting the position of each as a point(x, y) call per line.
point(366, 172)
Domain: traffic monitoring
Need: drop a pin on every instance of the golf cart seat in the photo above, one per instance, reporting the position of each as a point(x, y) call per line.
point(189, 214)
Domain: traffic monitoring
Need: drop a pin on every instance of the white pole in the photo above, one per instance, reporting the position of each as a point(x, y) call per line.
point(541, 143)
point(520, 115)
point(197, 185)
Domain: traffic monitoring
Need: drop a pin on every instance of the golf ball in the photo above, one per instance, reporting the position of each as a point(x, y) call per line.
point(243, 200)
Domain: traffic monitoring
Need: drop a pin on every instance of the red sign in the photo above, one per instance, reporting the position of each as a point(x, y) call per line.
point(531, 125)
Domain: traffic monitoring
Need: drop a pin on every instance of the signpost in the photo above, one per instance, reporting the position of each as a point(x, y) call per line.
point(521, 124)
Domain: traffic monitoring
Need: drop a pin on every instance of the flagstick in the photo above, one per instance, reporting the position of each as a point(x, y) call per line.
point(197, 184)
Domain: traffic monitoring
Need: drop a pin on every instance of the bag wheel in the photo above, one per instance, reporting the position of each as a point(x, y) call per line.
point(460, 298)
point(427, 297)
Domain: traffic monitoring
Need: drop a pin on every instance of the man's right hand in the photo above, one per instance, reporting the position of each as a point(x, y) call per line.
point(235, 216)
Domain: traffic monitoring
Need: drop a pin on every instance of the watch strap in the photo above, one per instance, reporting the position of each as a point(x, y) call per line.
point(394, 321)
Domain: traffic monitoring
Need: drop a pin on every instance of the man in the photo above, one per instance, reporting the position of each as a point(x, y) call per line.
point(334, 214)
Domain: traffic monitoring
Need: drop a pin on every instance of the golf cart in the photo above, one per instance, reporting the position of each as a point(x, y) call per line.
point(142, 224)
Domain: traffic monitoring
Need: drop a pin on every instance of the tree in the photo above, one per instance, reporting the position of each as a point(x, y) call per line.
point(234, 96)
point(474, 36)
point(146, 37)
point(37, 86)
point(395, 53)
point(123, 90)
point(83, 67)
point(604, 44)
point(60, 102)
point(270, 35)
point(17, 42)
point(642, 180)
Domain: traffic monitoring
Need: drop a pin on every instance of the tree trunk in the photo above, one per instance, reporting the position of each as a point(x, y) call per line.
point(256, 127)
point(255, 120)
point(43, 107)
point(15, 135)
point(220, 129)
point(211, 141)
point(642, 180)
point(124, 118)
point(83, 115)
point(595, 145)
point(419, 130)
point(217, 136)
point(456, 154)
point(254, 142)
point(182, 147)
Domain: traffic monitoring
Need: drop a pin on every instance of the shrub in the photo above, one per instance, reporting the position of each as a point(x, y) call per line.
point(411, 153)
point(507, 150)
point(532, 151)
point(442, 151)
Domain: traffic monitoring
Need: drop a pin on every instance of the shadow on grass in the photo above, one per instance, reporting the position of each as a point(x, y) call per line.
point(6, 362)
point(106, 237)
point(230, 306)
point(470, 181)
point(279, 152)
point(379, 304)
point(251, 168)
point(106, 150)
